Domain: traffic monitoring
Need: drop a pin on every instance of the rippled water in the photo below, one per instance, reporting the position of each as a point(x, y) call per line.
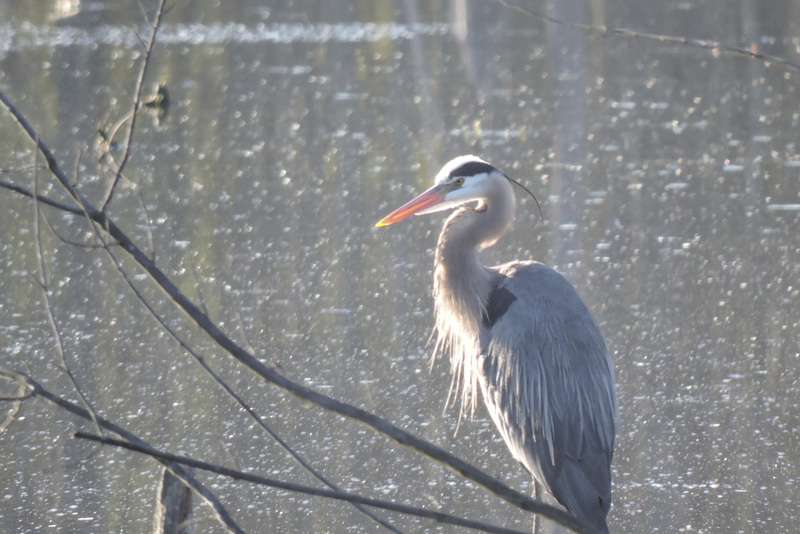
point(668, 178)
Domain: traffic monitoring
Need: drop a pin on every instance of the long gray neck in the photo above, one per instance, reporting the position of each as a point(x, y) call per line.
point(462, 284)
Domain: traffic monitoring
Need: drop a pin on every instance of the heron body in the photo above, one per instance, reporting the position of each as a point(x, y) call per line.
point(521, 334)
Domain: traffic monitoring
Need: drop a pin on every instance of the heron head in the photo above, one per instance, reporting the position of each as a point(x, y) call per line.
point(462, 180)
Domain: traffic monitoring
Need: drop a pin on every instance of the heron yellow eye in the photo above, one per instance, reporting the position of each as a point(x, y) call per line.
point(459, 181)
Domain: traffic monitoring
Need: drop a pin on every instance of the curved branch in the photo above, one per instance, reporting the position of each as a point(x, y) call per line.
point(715, 46)
point(271, 375)
point(44, 285)
point(38, 390)
point(230, 391)
point(299, 488)
point(137, 101)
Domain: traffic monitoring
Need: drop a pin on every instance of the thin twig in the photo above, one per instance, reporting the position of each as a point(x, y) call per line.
point(24, 393)
point(245, 340)
point(222, 515)
point(44, 283)
point(148, 221)
point(41, 198)
point(108, 137)
point(715, 46)
point(272, 376)
point(17, 398)
point(37, 199)
point(121, 271)
point(10, 170)
point(76, 244)
point(299, 488)
point(136, 103)
point(198, 287)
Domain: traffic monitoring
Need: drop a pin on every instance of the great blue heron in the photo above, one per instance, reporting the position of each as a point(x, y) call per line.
point(521, 331)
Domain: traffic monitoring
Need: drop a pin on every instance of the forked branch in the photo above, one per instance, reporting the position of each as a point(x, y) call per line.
point(271, 375)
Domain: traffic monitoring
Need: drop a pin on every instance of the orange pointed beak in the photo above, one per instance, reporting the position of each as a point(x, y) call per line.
point(429, 198)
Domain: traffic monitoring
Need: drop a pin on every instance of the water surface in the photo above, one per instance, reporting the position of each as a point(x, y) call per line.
point(668, 178)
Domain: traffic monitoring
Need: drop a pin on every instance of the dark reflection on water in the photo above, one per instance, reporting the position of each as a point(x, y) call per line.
point(669, 184)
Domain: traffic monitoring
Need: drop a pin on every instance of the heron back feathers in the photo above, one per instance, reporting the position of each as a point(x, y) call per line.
point(548, 383)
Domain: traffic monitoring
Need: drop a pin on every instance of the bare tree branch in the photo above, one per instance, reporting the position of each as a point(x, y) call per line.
point(76, 244)
point(228, 389)
point(24, 393)
point(299, 488)
point(21, 396)
point(41, 198)
point(715, 46)
point(198, 358)
point(221, 514)
point(137, 101)
point(44, 283)
point(10, 170)
point(271, 375)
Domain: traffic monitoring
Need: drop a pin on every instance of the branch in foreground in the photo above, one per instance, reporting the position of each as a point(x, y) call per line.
point(270, 374)
point(77, 211)
point(23, 393)
point(228, 389)
point(136, 103)
point(44, 284)
point(299, 488)
point(37, 390)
